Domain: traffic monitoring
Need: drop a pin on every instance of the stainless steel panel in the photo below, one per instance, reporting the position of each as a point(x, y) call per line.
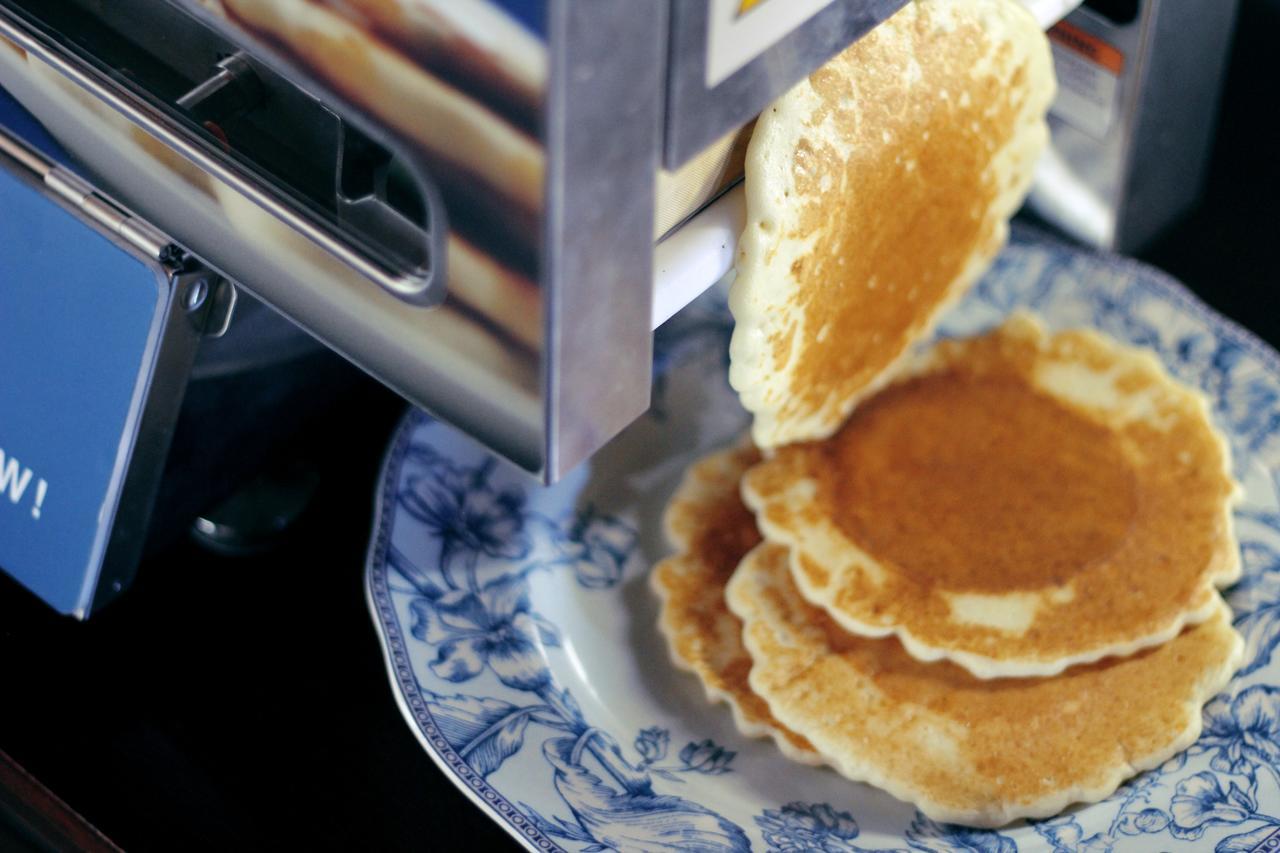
point(1132, 126)
point(603, 127)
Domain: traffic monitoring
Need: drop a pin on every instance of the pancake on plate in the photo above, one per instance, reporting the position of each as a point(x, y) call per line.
point(1017, 502)
point(962, 749)
point(877, 191)
point(711, 530)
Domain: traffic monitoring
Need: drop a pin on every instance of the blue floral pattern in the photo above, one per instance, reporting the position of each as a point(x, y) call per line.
point(1255, 601)
point(929, 835)
point(531, 674)
point(808, 827)
point(472, 609)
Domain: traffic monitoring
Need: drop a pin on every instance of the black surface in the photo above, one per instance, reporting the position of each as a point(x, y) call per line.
point(237, 703)
point(33, 818)
point(242, 703)
point(1228, 249)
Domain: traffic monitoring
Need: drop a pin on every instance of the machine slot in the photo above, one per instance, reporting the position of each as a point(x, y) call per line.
point(238, 109)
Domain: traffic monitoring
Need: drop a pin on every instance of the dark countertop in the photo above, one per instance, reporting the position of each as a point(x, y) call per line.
point(242, 702)
point(236, 703)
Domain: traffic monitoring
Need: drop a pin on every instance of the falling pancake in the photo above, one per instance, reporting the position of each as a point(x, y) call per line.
point(878, 190)
point(1016, 503)
point(963, 749)
point(711, 530)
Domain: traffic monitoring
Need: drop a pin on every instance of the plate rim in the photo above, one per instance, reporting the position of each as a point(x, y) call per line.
point(1141, 271)
point(375, 561)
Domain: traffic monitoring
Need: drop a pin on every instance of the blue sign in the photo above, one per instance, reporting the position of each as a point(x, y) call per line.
point(79, 322)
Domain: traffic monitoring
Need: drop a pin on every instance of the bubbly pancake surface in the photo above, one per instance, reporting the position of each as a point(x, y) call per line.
point(962, 749)
point(712, 530)
point(1017, 503)
point(877, 191)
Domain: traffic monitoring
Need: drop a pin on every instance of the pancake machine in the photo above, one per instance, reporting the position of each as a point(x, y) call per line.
point(487, 205)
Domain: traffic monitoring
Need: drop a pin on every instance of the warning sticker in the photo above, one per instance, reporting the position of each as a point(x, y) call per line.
point(1089, 73)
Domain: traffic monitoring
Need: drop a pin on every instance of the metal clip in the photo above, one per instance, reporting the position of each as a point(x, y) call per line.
point(233, 89)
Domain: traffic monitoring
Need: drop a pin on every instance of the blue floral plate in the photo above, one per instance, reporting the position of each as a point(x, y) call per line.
point(520, 634)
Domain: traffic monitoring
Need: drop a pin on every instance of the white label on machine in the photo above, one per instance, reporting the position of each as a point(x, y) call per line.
point(1088, 72)
point(740, 30)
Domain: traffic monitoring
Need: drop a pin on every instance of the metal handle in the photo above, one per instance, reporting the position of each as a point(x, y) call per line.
point(233, 87)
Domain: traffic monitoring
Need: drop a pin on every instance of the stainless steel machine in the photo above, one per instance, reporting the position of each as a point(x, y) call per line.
point(1133, 122)
point(487, 205)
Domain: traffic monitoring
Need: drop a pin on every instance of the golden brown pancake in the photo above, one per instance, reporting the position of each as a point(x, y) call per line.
point(1017, 503)
point(963, 749)
point(711, 530)
point(877, 191)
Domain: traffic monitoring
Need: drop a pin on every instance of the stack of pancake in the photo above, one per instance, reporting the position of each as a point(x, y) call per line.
point(983, 575)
